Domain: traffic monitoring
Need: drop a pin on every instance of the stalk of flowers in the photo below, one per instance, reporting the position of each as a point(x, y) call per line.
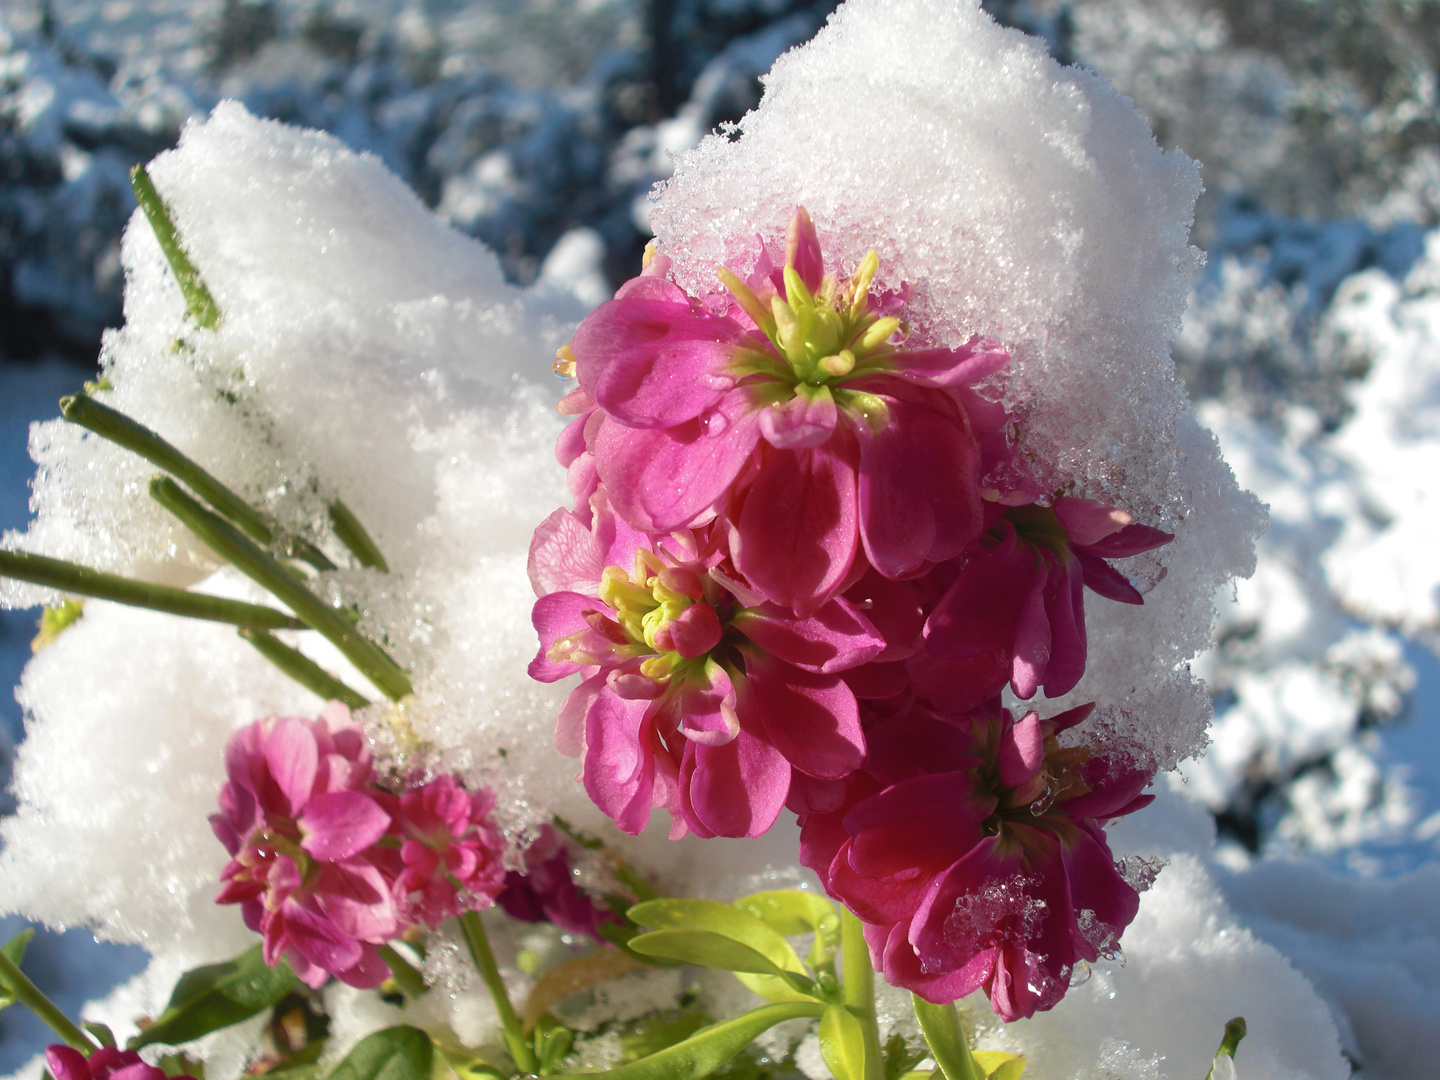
point(698, 694)
point(972, 847)
point(327, 865)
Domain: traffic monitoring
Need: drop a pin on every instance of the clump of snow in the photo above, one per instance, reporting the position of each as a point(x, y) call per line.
point(1026, 202)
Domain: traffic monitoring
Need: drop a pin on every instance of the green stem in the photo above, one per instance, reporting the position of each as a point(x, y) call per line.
point(858, 989)
point(199, 304)
point(948, 1044)
point(134, 436)
point(519, 1046)
point(303, 670)
point(30, 995)
point(1235, 1030)
point(353, 535)
point(260, 566)
point(79, 580)
point(408, 979)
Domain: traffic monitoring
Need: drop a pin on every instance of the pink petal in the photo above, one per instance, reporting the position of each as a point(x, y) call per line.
point(810, 718)
point(836, 638)
point(982, 607)
point(736, 789)
point(1068, 647)
point(1086, 521)
point(1032, 641)
point(619, 764)
point(795, 539)
point(356, 898)
point(695, 631)
point(707, 709)
point(564, 556)
point(917, 826)
point(893, 608)
point(807, 419)
point(655, 363)
point(1097, 887)
point(660, 480)
point(960, 685)
point(968, 364)
point(919, 488)
point(341, 824)
point(1022, 751)
point(802, 249)
point(66, 1063)
point(315, 937)
point(1131, 540)
point(555, 616)
point(292, 757)
point(1106, 580)
point(368, 972)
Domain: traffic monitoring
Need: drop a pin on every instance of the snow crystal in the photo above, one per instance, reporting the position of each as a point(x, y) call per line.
point(1027, 202)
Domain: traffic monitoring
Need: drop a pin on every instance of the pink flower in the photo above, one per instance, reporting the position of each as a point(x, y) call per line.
point(971, 846)
point(699, 695)
point(793, 412)
point(107, 1063)
point(1014, 608)
point(547, 892)
point(450, 853)
point(297, 821)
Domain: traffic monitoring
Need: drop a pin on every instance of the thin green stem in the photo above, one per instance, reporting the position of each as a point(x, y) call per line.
point(79, 580)
point(519, 1046)
point(858, 988)
point(134, 436)
point(199, 304)
point(406, 977)
point(948, 1044)
point(353, 535)
point(260, 566)
point(303, 670)
point(30, 995)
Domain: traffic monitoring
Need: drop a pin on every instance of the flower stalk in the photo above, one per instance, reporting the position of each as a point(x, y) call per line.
point(260, 566)
point(302, 669)
point(33, 998)
point(73, 579)
point(858, 989)
point(520, 1049)
point(353, 535)
point(199, 304)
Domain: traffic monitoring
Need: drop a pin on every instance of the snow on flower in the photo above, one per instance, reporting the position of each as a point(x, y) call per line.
point(792, 410)
point(972, 847)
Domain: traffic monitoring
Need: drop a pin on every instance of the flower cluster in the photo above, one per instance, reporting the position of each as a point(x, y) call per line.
point(328, 865)
point(804, 560)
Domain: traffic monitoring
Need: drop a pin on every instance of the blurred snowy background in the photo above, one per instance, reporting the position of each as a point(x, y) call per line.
point(1312, 345)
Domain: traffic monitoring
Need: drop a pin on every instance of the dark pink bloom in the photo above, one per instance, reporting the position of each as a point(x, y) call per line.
point(972, 848)
point(698, 695)
point(547, 890)
point(450, 853)
point(107, 1063)
point(297, 820)
point(1015, 612)
point(793, 411)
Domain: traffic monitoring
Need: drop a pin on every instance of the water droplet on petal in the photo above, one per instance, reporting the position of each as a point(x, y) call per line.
point(1080, 974)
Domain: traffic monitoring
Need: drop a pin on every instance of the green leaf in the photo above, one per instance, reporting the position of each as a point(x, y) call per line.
point(948, 1045)
point(183, 1065)
point(791, 912)
point(721, 920)
point(709, 949)
point(101, 1033)
point(998, 1065)
point(710, 1048)
point(15, 950)
point(842, 1043)
point(652, 1034)
point(217, 995)
point(553, 1041)
point(397, 1053)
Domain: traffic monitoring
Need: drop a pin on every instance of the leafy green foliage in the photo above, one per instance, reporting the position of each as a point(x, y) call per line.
point(948, 1045)
point(216, 996)
point(396, 1053)
point(842, 1043)
point(790, 912)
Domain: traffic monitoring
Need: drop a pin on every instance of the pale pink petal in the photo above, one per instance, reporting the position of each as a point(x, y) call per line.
point(1022, 751)
point(695, 631)
point(292, 757)
point(619, 764)
point(558, 615)
point(807, 419)
point(802, 249)
point(338, 825)
point(564, 556)
point(951, 367)
point(1086, 521)
point(356, 898)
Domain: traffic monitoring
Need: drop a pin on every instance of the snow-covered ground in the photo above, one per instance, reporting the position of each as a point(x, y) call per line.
point(1311, 348)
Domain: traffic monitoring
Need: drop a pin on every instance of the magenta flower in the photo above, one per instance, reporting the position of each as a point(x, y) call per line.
point(972, 848)
point(699, 695)
point(107, 1063)
point(449, 860)
point(547, 890)
point(794, 413)
point(1014, 609)
point(297, 821)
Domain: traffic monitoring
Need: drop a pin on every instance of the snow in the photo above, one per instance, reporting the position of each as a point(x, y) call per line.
point(422, 395)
